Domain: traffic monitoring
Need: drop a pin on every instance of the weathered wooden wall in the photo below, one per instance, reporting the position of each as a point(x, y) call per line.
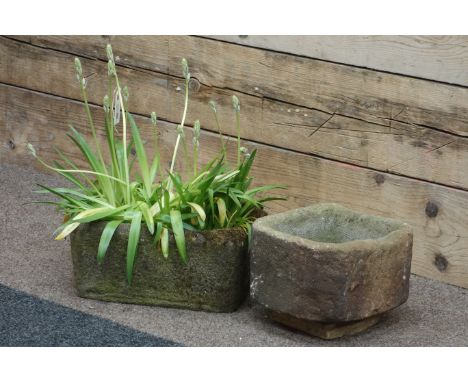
point(332, 122)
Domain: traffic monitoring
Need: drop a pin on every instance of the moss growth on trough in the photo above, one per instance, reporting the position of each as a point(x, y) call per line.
point(215, 277)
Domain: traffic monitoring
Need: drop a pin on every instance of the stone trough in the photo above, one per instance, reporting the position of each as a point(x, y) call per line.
point(329, 271)
point(215, 278)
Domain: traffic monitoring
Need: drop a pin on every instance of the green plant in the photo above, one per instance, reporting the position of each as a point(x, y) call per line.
point(209, 197)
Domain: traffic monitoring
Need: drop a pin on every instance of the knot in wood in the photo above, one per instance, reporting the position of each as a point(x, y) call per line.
point(194, 85)
point(440, 262)
point(379, 178)
point(11, 144)
point(431, 209)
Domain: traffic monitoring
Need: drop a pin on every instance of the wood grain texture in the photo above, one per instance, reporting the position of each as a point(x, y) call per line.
point(441, 242)
point(391, 146)
point(332, 88)
point(440, 58)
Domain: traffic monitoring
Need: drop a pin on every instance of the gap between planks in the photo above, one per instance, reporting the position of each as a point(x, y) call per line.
point(253, 141)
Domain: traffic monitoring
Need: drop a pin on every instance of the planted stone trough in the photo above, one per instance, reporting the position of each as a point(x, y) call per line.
point(215, 278)
point(329, 271)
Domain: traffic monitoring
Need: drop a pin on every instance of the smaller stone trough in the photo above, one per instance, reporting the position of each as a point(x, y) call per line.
point(330, 271)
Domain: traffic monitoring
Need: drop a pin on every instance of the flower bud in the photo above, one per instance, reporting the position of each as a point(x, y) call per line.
point(32, 149)
point(180, 131)
point(185, 69)
point(106, 103)
point(235, 103)
point(111, 68)
point(110, 55)
point(213, 106)
point(196, 129)
point(154, 118)
point(78, 68)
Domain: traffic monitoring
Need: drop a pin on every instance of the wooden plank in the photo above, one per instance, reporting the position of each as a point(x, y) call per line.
point(441, 241)
point(396, 147)
point(54, 72)
point(440, 58)
point(332, 88)
point(353, 92)
point(152, 51)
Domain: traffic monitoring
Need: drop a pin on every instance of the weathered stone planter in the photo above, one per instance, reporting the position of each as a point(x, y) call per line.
point(328, 270)
point(214, 279)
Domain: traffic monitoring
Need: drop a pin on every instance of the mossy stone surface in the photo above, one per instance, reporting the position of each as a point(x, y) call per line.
point(215, 278)
point(326, 263)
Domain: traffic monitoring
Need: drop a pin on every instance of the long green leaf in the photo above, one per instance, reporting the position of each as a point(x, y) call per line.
point(81, 143)
point(157, 235)
point(62, 195)
point(154, 167)
point(211, 200)
point(232, 195)
point(178, 230)
point(133, 238)
point(165, 242)
point(75, 167)
point(271, 198)
point(198, 209)
point(69, 191)
point(141, 154)
point(249, 235)
point(106, 237)
point(179, 186)
point(95, 164)
point(246, 166)
point(67, 230)
point(221, 211)
point(166, 219)
point(111, 144)
point(166, 205)
point(148, 217)
point(98, 214)
point(70, 177)
point(269, 187)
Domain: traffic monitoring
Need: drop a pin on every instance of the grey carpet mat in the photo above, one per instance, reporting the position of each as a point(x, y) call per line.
point(30, 321)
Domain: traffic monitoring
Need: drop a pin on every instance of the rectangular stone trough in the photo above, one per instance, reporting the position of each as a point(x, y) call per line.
point(214, 279)
point(328, 270)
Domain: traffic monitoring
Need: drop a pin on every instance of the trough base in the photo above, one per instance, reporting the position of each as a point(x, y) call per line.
point(325, 330)
point(152, 300)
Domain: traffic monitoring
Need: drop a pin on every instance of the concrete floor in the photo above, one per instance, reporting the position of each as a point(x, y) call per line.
point(436, 314)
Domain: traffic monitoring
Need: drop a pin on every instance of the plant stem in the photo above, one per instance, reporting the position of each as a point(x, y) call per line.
point(195, 159)
point(238, 138)
point(186, 168)
point(156, 140)
point(181, 127)
point(223, 142)
point(110, 132)
point(90, 120)
point(124, 138)
point(93, 132)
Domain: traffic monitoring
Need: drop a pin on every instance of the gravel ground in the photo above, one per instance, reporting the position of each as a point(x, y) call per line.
point(436, 314)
